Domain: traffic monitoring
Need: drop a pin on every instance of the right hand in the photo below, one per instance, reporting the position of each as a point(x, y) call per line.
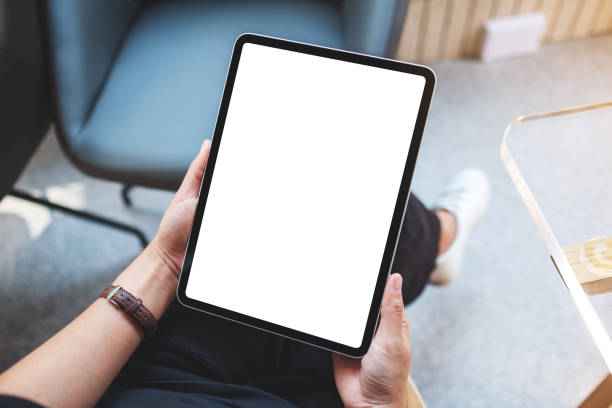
point(380, 378)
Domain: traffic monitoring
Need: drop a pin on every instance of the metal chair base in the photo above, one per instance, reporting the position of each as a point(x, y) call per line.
point(83, 215)
point(125, 195)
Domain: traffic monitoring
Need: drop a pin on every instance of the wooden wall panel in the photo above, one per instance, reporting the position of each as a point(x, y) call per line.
point(435, 32)
point(409, 40)
point(568, 10)
point(481, 12)
point(457, 29)
point(586, 19)
point(503, 8)
point(603, 23)
point(437, 29)
point(528, 6)
point(551, 9)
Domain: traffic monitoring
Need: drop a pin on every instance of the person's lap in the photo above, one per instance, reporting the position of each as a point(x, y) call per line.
point(191, 347)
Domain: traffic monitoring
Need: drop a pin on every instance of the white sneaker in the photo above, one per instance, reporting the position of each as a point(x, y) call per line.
point(466, 198)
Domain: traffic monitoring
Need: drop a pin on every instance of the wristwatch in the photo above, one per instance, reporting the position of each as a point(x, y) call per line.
point(130, 304)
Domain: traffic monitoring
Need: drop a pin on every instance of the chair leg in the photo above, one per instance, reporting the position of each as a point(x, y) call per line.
point(83, 214)
point(125, 195)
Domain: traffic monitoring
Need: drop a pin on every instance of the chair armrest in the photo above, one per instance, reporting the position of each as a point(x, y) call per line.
point(373, 27)
point(413, 396)
point(83, 38)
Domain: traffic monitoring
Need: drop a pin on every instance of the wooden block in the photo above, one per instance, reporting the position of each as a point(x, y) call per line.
point(601, 396)
point(592, 264)
point(409, 40)
point(481, 12)
point(586, 19)
point(457, 29)
point(567, 19)
point(603, 22)
point(435, 31)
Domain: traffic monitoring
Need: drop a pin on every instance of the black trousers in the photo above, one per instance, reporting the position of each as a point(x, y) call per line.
point(193, 352)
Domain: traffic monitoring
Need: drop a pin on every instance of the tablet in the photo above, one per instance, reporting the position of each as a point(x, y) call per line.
point(304, 192)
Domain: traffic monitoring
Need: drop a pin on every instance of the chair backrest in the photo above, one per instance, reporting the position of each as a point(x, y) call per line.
point(24, 111)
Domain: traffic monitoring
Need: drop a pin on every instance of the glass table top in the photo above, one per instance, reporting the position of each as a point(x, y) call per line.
point(561, 165)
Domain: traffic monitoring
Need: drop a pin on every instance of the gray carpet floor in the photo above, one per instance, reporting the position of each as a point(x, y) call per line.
point(506, 333)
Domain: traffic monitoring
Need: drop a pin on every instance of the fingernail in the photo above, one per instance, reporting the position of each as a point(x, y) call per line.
point(397, 284)
point(204, 144)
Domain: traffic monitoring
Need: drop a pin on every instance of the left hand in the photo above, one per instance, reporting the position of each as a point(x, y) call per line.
point(171, 239)
point(380, 378)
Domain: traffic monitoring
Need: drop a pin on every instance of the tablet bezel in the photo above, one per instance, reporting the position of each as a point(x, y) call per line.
point(398, 214)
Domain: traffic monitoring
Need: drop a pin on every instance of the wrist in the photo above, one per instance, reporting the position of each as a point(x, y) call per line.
point(158, 250)
point(150, 278)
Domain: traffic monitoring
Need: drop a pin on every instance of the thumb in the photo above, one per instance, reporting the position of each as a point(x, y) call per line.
point(392, 313)
point(191, 183)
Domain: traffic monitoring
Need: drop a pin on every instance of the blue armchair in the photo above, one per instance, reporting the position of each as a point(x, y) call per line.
point(137, 84)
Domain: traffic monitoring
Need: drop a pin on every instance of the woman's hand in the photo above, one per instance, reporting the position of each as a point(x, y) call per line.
point(171, 238)
point(380, 377)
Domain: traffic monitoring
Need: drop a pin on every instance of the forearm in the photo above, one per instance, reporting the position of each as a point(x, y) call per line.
point(75, 366)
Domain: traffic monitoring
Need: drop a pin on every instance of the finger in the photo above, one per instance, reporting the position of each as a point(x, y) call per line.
point(392, 310)
point(190, 186)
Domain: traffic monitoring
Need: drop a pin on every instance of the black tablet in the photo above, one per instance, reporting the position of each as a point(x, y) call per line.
point(305, 189)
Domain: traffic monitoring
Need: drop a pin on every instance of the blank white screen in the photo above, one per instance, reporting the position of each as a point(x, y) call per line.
point(303, 192)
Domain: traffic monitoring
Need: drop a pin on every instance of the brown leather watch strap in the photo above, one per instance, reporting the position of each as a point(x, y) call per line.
point(130, 304)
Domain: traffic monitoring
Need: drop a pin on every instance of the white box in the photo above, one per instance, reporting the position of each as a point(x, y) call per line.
point(512, 36)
